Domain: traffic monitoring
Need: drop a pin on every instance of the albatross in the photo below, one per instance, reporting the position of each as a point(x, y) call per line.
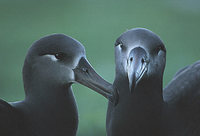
point(144, 108)
point(49, 107)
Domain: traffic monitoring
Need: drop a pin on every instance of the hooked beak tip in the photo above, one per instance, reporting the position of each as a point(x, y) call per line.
point(137, 67)
point(87, 76)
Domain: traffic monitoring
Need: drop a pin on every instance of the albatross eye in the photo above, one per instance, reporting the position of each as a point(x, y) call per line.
point(120, 45)
point(160, 48)
point(59, 56)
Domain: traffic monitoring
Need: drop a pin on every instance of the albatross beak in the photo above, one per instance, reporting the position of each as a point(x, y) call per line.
point(86, 75)
point(136, 66)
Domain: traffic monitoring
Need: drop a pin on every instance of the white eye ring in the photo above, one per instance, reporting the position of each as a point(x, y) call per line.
point(120, 45)
point(52, 57)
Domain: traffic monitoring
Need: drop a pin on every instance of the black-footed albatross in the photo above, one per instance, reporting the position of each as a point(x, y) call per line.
point(182, 95)
point(49, 107)
point(143, 109)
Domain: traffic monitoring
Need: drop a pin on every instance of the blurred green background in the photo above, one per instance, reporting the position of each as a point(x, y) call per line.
point(97, 24)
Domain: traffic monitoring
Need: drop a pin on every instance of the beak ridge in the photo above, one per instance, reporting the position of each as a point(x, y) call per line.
point(86, 75)
point(136, 66)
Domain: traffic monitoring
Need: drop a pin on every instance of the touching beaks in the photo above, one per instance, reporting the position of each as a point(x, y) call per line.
point(136, 66)
point(86, 75)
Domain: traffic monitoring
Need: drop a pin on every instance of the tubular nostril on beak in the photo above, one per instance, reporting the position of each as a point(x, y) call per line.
point(143, 60)
point(136, 66)
point(85, 70)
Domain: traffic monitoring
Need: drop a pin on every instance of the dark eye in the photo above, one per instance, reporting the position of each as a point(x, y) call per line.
point(60, 56)
point(160, 48)
point(121, 45)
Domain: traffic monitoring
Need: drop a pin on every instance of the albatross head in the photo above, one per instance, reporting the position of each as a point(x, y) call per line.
point(59, 60)
point(139, 55)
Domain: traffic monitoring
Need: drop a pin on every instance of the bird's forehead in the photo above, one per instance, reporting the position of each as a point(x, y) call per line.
point(140, 37)
point(75, 48)
point(57, 43)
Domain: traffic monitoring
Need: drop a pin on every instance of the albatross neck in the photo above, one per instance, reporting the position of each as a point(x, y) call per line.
point(50, 108)
point(48, 93)
point(142, 108)
point(147, 91)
